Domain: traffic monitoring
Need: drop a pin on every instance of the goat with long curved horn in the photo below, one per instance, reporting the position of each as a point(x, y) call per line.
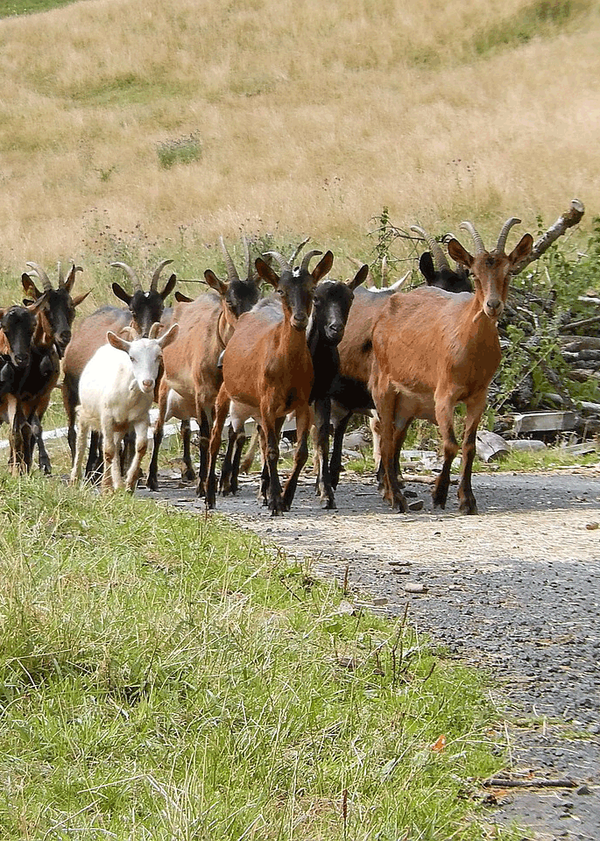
point(232, 272)
point(439, 258)
point(510, 223)
point(157, 273)
point(130, 274)
point(469, 227)
point(39, 271)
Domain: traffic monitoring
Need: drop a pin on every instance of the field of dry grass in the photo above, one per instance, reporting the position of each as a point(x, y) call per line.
point(137, 129)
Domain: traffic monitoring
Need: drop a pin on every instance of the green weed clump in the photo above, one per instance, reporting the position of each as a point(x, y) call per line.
point(163, 676)
point(182, 150)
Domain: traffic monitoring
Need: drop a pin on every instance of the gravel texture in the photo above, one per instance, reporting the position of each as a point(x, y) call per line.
point(513, 590)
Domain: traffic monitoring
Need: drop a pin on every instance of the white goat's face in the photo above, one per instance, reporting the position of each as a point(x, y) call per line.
point(145, 356)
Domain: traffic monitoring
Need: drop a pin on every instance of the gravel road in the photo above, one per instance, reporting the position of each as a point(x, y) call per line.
point(513, 590)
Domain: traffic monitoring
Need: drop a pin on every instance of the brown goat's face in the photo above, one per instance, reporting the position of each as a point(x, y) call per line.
point(296, 290)
point(491, 272)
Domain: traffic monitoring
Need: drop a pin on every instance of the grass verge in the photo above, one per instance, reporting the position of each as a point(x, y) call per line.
point(164, 676)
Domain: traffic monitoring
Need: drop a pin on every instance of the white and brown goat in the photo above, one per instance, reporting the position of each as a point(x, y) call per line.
point(143, 310)
point(116, 391)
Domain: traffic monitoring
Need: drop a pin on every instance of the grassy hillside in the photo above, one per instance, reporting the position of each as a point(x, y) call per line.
point(136, 129)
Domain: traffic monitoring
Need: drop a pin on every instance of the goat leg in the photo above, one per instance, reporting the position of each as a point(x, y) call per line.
point(188, 474)
point(444, 413)
point(225, 482)
point(220, 413)
point(141, 445)
point(204, 437)
point(322, 413)
point(466, 498)
point(300, 455)
point(272, 433)
point(335, 462)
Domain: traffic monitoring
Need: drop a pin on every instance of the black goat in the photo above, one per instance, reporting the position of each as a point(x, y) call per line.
point(59, 307)
point(28, 367)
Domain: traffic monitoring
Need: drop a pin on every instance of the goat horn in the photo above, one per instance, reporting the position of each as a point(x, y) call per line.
point(384, 271)
point(231, 269)
point(250, 272)
point(285, 266)
point(129, 271)
point(157, 272)
point(504, 233)
point(41, 274)
point(439, 258)
point(307, 258)
point(470, 228)
point(298, 250)
point(61, 277)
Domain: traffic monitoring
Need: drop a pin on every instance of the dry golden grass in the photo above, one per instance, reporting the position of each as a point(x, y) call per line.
point(311, 118)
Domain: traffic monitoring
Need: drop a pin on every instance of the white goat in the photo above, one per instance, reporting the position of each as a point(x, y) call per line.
point(116, 391)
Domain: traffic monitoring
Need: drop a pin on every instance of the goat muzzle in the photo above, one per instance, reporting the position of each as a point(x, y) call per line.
point(299, 323)
point(494, 308)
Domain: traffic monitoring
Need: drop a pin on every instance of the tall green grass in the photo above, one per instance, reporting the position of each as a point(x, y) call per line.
point(163, 676)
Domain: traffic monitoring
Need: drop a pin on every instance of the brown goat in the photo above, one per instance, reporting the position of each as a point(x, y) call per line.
point(433, 350)
point(268, 372)
point(191, 368)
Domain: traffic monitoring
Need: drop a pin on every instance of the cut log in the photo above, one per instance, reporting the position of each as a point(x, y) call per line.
point(490, 446)
point(544, 422)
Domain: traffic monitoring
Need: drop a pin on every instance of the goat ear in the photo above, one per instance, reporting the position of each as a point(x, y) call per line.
point(214, 282)
point(459, 254)
point(426, 267)
point(169, 336)
point(80, 298)
point(117, 341)
point(323, 267)
point(266, 272)
point(121, 294)
point(360, 277)
point(30, 287)
point(169, 286)
point(181, 298)
point(521, 250)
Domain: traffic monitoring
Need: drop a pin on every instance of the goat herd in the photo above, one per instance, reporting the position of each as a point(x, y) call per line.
point(318, 348)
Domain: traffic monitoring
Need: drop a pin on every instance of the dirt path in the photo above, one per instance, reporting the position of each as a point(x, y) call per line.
point(514, 590)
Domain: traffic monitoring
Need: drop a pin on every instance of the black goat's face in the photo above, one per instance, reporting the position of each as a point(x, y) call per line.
point(18, 325)
point(241, 296)
point(444, 277)
point(146, 308)
point(60, 312)
point(331, 306)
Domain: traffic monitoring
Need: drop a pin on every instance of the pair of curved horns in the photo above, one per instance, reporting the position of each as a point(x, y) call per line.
point(476, 236)
point(137, 286)
point(288, 266)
